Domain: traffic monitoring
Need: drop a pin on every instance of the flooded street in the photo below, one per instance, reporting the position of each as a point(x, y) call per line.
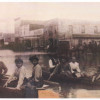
point(75, 90)
point(67, 89)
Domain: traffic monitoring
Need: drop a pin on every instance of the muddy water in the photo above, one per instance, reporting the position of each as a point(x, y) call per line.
point(67, 90)
point(75, 90)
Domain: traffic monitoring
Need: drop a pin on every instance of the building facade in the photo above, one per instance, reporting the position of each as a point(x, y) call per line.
point(30, 33)
point(73, 31)
point(8, 38)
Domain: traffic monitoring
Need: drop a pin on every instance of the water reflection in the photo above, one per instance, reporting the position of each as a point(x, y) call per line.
point(75, 90)
point(7, 56)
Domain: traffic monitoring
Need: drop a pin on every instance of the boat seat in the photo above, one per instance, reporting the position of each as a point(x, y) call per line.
point(43, 87)
point(40, 88)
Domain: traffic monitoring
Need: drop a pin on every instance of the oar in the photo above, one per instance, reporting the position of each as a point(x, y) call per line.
point(50, 76)
point(51, 82)
point(53, 72)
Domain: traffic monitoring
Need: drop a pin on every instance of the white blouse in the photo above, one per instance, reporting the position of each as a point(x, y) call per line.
point(74, 66)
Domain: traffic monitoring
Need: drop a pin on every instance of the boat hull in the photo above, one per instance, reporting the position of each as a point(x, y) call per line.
point(63, 78)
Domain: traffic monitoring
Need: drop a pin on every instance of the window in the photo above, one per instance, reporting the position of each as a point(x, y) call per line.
point(83, 29)
point(95, 29)
point(70, 29)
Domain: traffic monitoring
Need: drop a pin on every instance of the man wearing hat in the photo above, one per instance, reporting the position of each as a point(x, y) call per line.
point(35, 81)
point(37, 72)
point(74, 68)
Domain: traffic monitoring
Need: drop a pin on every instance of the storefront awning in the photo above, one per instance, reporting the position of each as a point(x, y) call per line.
point(30, 37)
point(89, 36)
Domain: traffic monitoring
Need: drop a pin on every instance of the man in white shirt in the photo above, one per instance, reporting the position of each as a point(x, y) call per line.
point(53, 61)
point(20, 74)
point(51, 65)
point(74, 68)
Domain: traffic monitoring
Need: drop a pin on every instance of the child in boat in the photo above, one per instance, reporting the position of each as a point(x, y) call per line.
point(74, 68)
point(96, 76)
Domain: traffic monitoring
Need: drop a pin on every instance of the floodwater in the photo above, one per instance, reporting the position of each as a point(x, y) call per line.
point(75, 90)
point(67, 89)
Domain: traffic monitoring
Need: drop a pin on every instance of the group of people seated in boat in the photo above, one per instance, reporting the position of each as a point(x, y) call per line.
point(71, 68)
point(29, 80)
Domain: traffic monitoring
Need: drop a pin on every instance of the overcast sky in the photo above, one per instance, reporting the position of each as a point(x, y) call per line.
point(45, 11)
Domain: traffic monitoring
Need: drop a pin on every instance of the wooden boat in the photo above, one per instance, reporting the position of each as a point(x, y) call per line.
point(62, 77)
point(10, 92)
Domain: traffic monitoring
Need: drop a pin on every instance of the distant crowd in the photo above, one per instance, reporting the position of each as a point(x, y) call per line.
point(87, 54)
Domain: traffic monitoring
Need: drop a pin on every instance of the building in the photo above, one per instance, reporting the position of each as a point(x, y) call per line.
point(1, 39)
point(41, 33)
point(29, 32)
point(23, 27)
point(8, 38)
point(17, 26)
point(73, 31)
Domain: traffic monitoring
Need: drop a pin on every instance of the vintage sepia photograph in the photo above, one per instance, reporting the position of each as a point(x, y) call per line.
point(49, 49)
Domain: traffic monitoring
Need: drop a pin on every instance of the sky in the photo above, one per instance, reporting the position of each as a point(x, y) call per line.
point(46, 11)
